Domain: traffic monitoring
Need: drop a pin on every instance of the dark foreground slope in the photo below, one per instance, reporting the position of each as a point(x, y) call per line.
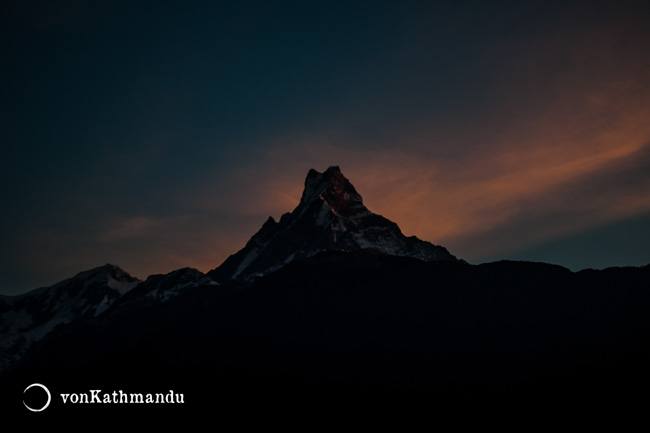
point(366, 335)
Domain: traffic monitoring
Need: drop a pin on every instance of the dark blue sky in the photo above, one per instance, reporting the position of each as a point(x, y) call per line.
point(160, 135)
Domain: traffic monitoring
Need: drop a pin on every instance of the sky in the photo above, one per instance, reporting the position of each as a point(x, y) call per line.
point(160, 135)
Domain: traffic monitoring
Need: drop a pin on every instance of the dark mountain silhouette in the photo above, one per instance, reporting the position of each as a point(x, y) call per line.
point(369, 331)
point(352, 333)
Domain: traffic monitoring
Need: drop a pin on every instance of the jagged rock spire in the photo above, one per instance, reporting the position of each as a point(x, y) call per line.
point(331, 216)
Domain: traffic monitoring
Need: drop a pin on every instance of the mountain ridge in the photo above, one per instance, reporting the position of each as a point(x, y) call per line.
point(28, 317)
point(368, 328)
point(329, 304)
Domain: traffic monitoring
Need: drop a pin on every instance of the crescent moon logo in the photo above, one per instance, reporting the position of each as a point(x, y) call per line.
point(49, 397)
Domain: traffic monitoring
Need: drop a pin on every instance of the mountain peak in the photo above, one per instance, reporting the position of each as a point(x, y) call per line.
point(31, 316)
point(108, 272)
point(332, 188)
point(331, 216)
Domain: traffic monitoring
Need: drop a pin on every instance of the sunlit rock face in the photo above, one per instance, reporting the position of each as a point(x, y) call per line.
point(331, 216)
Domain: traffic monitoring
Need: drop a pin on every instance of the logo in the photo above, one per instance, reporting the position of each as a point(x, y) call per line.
point(96, 396)
point(47, 391)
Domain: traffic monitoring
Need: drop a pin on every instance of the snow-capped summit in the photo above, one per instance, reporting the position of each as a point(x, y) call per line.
point(163, 287)
point(331, 216)
point(26, 318)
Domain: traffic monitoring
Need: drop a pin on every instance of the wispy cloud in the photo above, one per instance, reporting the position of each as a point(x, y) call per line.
point(540, 182)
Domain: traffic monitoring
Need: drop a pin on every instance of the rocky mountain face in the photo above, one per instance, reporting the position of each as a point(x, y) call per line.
point(331, 216)
point(85, 298)
point(25, 319)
